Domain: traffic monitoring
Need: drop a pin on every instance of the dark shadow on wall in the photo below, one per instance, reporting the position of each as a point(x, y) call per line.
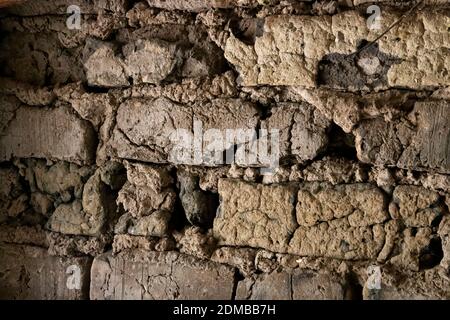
point(366, 69)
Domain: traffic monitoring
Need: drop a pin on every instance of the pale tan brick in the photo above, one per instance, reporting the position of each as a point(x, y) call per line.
point(290, 48)
point(255, 215)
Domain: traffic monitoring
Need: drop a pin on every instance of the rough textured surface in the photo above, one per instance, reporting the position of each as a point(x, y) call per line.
point(361, 204)
point(88, 215)
point(226, 149)
point(52, 133)
point(415, 206)
point(30, 273)
point(291, 286)
point(289, 48)
point(418, 140)
point(303, 130)
point(419, 286)
point(159, 276)
point(147, 190)
point(147, 130)
point(255, 215)
point(343, 222)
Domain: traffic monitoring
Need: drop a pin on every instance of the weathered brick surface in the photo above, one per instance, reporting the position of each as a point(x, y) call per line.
point(298, 285)
point(145, 61)
point(255, 215)
point(43, 54)
point(416, 141)
point(88, 215)
point(103, 69)
point(30, 273)
point(362, 204)
point(444, 234)
point(303, 130)
point(12, 199)
point(425, 285)
point(153, 131)
point(48, 133)
point(192, 5)
point(338, 240)
point(343, 222)
point(59, 7)
point(117, 143)
point(290, 48)
point(415, 206)
point(159, 276)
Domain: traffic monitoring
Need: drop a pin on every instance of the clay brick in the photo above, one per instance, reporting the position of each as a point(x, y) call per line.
point(156, 86)
point(159, 275)
point(296, 285)
point(34, 235)
point(59, 7)
point(291, 47)
point(192, 5)
point(303, 130)
point(62, 179)
point(340, 221)
point(74, 198)
point(156, 224)
point(13, 199)
point(255, 215)
point(415, 249)
point(423, 146)
point(415, 206)
point(444, 233)
point(141, 201)
point(48, 133)
point(262, 216)
point(147, 190)
point(104, 69)
point(118, 6)
point(362, 204)
point(87, 216)
point(150, 61)
point(30, 273)
point(146, 129)
point(145, 61)
point(337, 239)
point(47, 61)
